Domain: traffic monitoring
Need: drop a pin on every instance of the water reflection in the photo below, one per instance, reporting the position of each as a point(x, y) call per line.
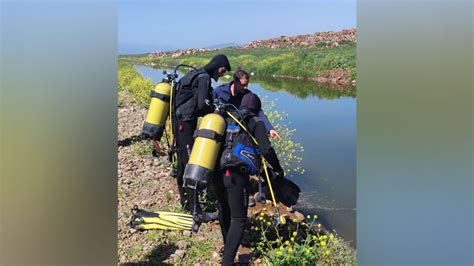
point(303, 88)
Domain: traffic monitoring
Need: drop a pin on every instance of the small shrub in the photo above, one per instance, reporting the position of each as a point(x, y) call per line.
point(142, 148)
point(299, 243)
point(288, 150)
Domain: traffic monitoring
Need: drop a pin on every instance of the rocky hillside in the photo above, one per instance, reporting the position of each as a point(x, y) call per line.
point(321, 39)
point(327, 38)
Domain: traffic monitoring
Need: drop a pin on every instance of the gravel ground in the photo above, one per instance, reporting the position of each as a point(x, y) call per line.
point(144, 180)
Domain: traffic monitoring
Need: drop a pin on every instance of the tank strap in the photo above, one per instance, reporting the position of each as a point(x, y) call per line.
point(160, 96)
point(208, 134)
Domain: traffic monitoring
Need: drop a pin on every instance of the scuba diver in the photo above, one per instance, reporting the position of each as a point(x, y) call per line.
point(187, 100)
point(238, 160)
point(232, 93)
point(191, 100)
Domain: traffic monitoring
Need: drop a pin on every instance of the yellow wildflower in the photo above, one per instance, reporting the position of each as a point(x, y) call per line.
point(331, 236)
point(323, 243)
point(292, 239)
point(294, 233)
point(290, 250)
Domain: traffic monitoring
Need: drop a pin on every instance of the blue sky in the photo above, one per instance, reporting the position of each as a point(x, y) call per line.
point(145, 26)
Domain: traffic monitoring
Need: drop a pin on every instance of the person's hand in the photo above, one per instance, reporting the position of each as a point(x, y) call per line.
point(274, 134)
point(278, 174)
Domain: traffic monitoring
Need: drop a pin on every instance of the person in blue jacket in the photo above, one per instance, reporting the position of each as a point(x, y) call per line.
point(234, 91)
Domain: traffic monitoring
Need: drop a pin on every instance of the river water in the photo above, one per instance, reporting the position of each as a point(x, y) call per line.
point(325, 123)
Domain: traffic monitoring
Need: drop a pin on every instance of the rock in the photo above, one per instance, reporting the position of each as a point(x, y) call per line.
point(179, 253)
point(297, 216)
point(182, 244)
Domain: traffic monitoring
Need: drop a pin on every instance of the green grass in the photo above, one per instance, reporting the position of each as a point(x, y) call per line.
point(143, 148)
point(130, 80)
point(304, 62)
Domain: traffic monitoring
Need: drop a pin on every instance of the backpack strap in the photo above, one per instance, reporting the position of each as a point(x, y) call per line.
point(188, 79)
point(208, 134)
point(243, 127)
point(160, 96)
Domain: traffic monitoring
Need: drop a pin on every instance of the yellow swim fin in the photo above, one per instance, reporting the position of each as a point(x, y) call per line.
point(162, 220)
point(148, 226)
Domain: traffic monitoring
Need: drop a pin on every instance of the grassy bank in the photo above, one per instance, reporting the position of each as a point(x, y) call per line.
point(131, 81)
point(265, 62)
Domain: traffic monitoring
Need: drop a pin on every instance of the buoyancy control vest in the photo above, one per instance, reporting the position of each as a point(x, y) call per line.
point(240, 151)
point(185, 97)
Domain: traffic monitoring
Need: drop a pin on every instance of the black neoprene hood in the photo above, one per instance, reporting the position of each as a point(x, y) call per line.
point(217, 62)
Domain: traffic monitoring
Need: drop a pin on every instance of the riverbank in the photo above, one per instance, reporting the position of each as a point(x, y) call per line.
point(144, 180)
point(326, 58)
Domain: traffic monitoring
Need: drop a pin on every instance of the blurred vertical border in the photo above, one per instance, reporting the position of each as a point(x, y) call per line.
point(414, 132)
point(58, 133)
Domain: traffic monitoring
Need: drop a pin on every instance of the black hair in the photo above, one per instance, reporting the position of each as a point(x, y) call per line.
point(239, 74)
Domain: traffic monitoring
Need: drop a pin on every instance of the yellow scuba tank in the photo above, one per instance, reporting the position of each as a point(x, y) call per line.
point(157, 112)
point(205, 150)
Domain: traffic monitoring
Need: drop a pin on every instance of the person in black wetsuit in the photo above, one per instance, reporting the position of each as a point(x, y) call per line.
point(233, 174)
point(189, 103)
point(232, 93)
